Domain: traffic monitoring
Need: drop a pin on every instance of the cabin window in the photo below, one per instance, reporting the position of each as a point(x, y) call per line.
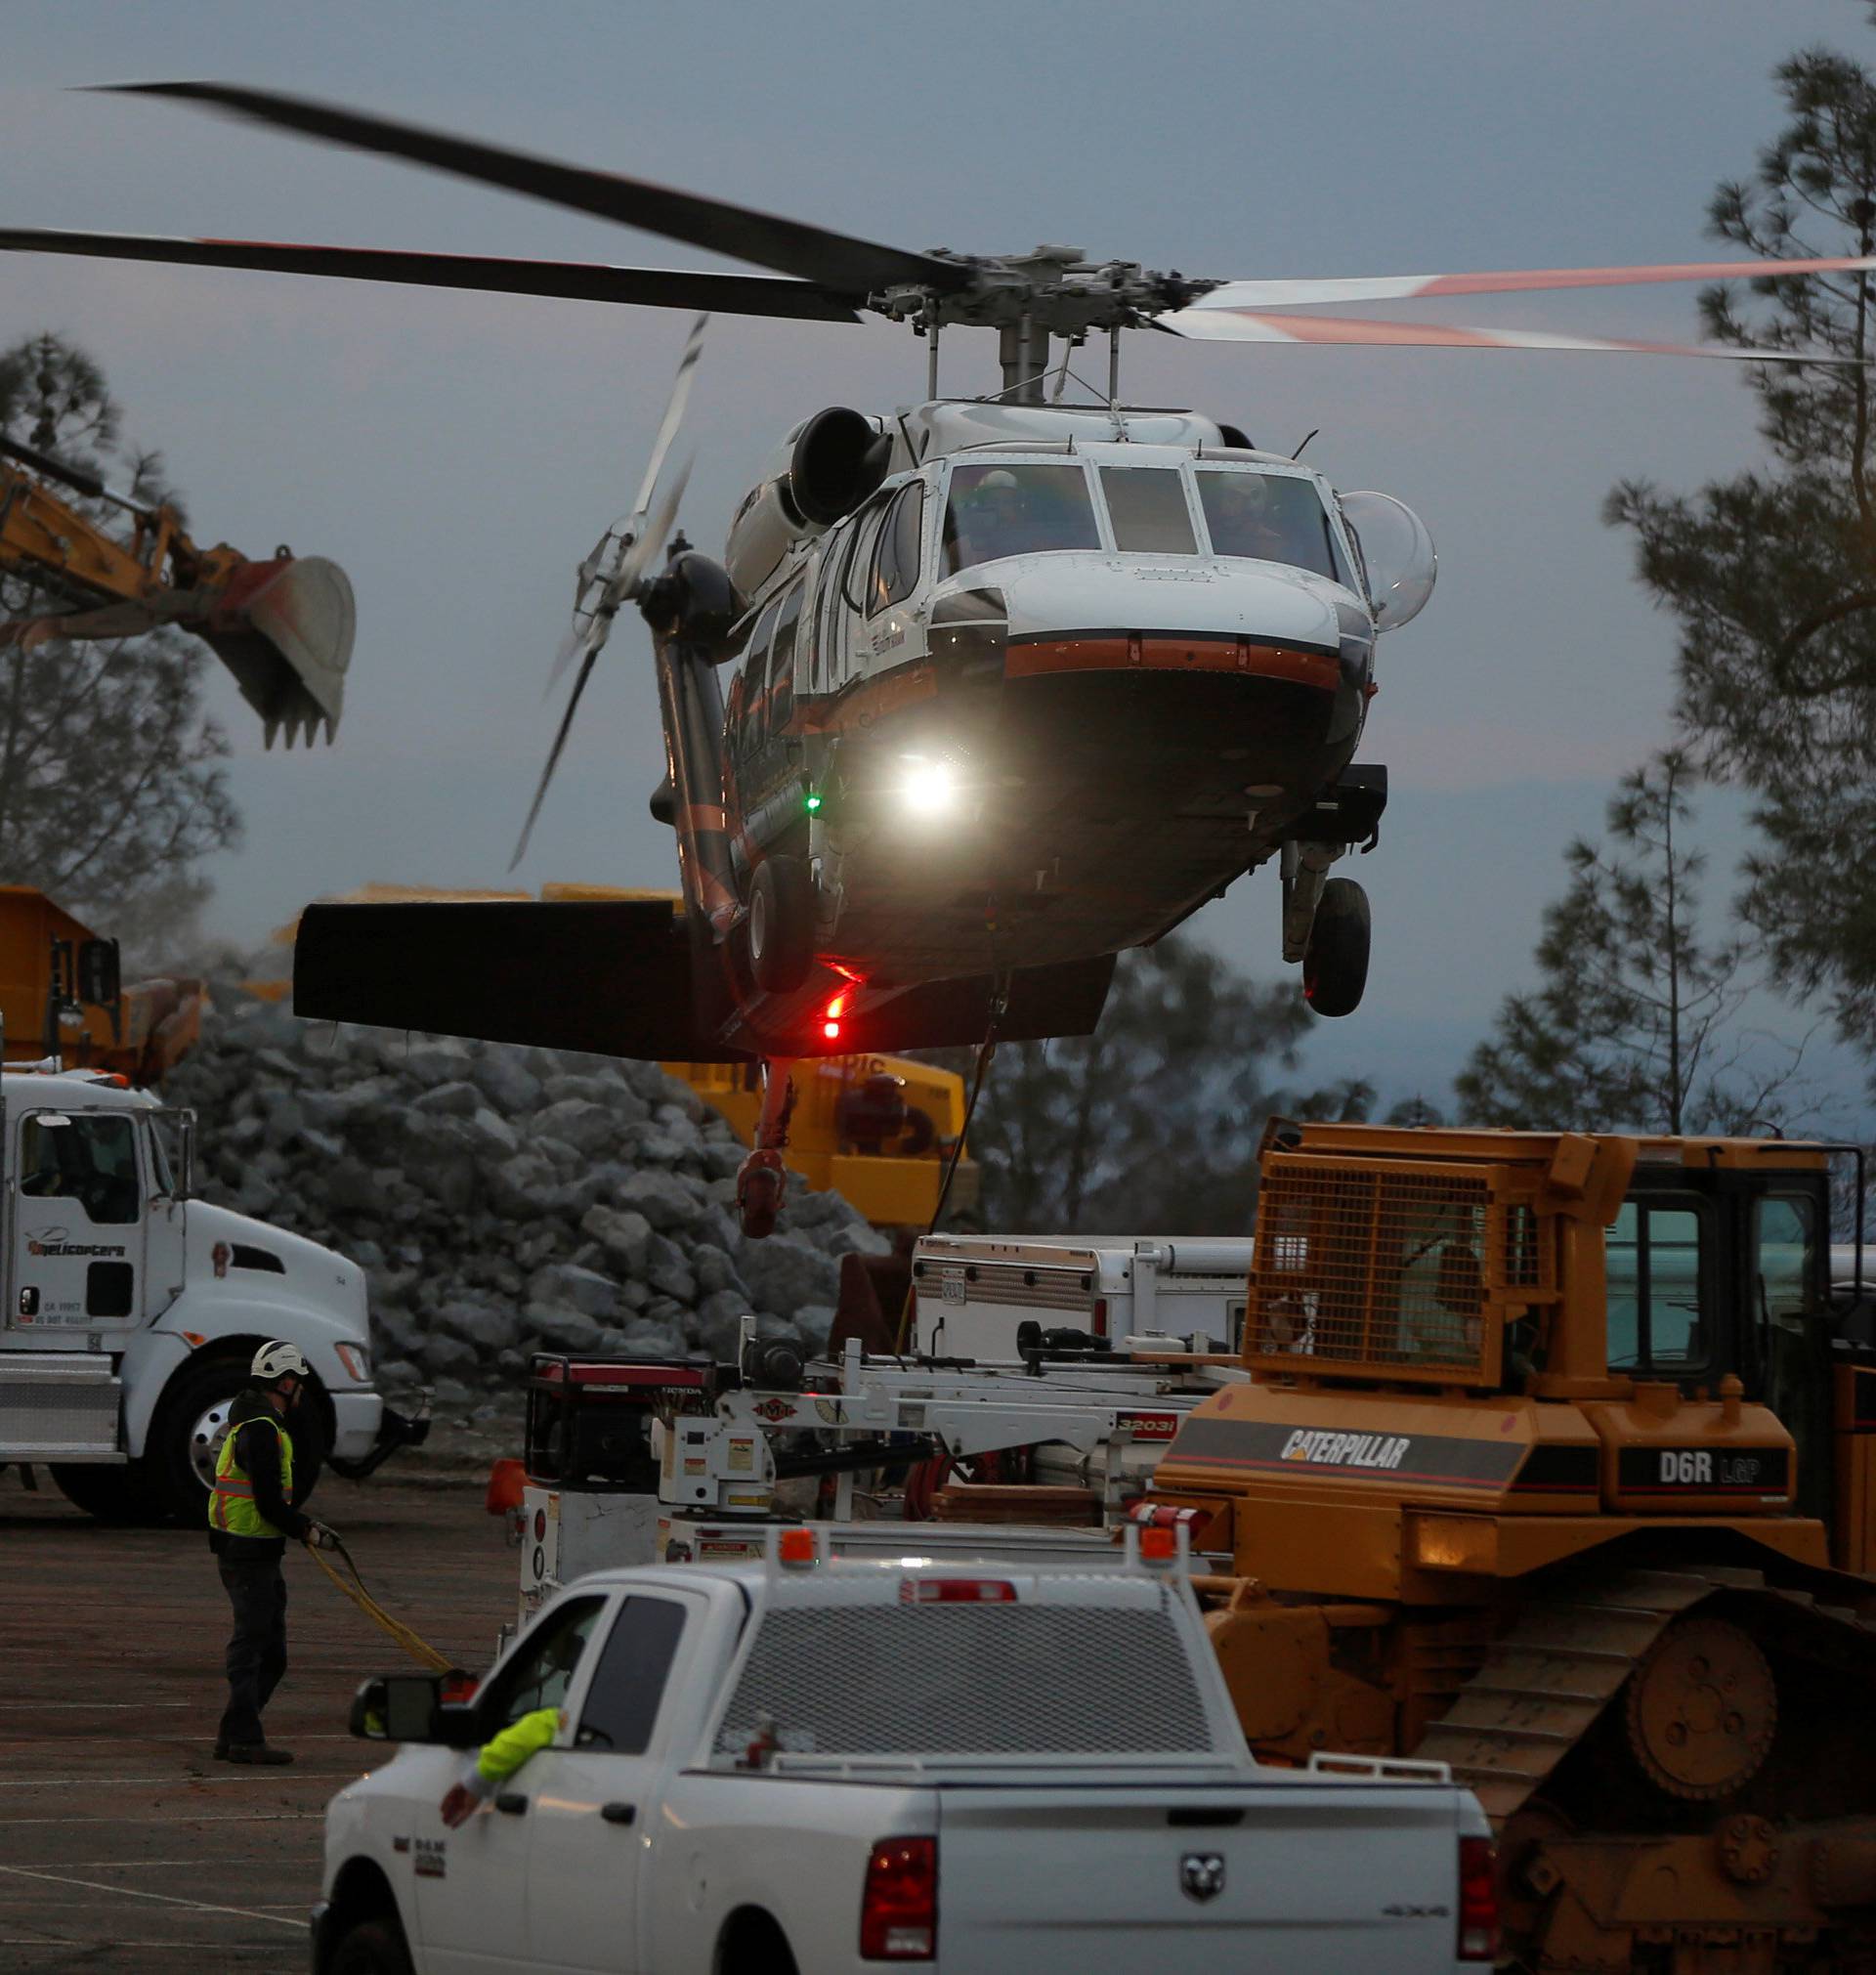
point(1784, 1240)
point(781, 663)
point(1271, 517)
point(896, 574)
point(1655, 1253)
point(88, 1159)
point(997, 511)
point(748, 712)
point(1147, 511)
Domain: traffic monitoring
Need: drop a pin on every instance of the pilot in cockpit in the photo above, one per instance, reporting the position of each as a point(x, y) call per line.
point(1239, 515)
point(992, 519)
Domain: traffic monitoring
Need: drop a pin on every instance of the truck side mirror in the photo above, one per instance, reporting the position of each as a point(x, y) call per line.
point(100, 976)
point(410, 1708)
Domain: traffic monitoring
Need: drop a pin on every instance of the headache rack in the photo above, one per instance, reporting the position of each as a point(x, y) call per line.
point(1398, 1269)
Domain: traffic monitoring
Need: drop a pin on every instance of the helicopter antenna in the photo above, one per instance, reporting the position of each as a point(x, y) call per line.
point(1298, 453)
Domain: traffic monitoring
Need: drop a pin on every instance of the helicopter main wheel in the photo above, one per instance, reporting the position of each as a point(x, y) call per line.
point(780, 925)
point(1335, 964)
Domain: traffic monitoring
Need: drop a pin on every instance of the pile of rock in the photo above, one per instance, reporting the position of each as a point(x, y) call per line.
point(502, 1199)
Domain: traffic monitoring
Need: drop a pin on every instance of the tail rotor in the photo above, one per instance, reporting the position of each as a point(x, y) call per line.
point(615, 572)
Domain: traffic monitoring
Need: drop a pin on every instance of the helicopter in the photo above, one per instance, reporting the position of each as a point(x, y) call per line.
point(1024, 681)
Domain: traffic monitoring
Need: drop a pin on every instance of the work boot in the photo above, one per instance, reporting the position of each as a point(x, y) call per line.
point(221, 1748)
point(256, 1751)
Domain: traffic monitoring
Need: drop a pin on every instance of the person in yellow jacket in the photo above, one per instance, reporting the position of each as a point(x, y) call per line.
point(497, 1760)
point(252, 1510)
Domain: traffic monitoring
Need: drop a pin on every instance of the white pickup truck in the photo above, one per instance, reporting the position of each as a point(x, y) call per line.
point(802, 1766)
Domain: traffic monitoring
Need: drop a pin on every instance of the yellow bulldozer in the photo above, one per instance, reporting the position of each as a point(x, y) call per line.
point(1557, 1463)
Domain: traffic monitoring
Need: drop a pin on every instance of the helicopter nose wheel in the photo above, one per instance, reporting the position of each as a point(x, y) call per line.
point(1334, 964)
point(780, 928)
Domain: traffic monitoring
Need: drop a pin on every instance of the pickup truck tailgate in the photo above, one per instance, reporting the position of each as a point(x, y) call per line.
point(1291, 1873)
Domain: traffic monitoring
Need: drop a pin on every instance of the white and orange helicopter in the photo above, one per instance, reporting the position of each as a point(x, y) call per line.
point(1026, 680)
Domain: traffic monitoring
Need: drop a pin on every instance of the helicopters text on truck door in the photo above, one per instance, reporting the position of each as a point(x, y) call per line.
point(1024, 682)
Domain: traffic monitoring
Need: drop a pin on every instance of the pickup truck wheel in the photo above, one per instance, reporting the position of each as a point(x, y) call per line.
point(371, 1947)
point(191, 1424)
point(119, 1494)
point(752, 1944)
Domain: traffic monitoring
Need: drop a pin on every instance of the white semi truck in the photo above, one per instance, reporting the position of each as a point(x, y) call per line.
point(131, 1312)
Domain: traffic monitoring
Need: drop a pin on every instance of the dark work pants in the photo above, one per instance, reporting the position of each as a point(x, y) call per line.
point(256, 1587)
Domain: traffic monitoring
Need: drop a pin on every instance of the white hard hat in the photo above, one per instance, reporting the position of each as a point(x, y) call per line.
point(1001, 478)
point(277, 1360)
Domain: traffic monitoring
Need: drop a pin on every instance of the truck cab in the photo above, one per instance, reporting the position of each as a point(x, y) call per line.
point(129, 1311)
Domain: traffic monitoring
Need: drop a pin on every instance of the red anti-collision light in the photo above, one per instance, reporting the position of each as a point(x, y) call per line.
point(1479, 1934)
point(899, 1906)
point(832, 1030)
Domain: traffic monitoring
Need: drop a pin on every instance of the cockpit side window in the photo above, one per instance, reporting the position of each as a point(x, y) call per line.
point(896, 572)
point(781, 663)
point(1147, 511)
point(996, 511)
point(1271, 517)
point(746, 711)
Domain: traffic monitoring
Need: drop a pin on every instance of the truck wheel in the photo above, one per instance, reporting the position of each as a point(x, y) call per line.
point(780, 925)
point(191, 1422)
point(371, 1948)
point(123, 1494)
point(1335, 964)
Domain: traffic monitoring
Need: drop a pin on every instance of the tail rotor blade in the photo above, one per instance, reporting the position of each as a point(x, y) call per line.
point(673, 412)
point(650, 542)
point(554, 752)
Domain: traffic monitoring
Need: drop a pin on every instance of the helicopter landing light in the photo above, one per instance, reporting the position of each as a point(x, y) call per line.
point(929, 787)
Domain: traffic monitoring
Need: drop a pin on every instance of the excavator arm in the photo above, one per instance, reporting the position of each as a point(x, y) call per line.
point(283, 628)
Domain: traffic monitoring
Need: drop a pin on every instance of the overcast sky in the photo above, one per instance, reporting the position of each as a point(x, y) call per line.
point(458, 454)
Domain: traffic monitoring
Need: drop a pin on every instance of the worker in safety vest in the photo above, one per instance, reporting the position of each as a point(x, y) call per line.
point(497, 1760)
point(251, 1514)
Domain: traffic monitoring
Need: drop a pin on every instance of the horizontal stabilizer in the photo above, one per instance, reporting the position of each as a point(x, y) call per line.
point(609, 977)
point(1064, 1000)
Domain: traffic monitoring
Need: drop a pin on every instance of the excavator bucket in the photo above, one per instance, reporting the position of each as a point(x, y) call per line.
point(284, 630)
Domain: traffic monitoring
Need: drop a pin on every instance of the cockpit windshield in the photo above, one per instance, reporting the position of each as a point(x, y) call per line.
point(1015, 510)
point(1272, 517)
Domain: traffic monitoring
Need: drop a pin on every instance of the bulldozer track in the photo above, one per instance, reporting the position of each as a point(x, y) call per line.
point(1547, 1679)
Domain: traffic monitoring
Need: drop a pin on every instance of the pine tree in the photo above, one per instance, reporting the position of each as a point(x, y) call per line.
point(1772, 573)
point(111, 788)
point(1151, 1125)
point(1636, 1023)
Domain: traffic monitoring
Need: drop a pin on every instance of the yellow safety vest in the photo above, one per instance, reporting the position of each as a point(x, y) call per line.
point(230, 1502)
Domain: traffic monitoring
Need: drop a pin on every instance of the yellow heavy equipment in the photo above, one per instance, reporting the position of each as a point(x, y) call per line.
point(1557, 1463)
point(283, 628)
point(61, 997)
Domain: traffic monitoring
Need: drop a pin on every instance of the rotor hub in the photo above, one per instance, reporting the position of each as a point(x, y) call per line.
point(1055, 289)
point(1703, 1710)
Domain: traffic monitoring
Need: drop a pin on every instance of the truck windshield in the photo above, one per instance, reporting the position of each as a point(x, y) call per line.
point(912, 1679)
point(997, 511)
point(1271, 517)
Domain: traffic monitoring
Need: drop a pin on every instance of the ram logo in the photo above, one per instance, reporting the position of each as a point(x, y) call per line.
point(1202, 1876)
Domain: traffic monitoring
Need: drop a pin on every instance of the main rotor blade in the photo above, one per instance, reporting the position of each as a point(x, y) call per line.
point(1288, 295)
point(1236, 326)
point(850, 266)
point(572, 281)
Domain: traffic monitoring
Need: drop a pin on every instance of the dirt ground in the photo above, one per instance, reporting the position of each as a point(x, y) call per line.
point(125, 1849)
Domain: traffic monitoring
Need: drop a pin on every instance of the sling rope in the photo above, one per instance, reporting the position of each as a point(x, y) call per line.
point(419, 1649)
